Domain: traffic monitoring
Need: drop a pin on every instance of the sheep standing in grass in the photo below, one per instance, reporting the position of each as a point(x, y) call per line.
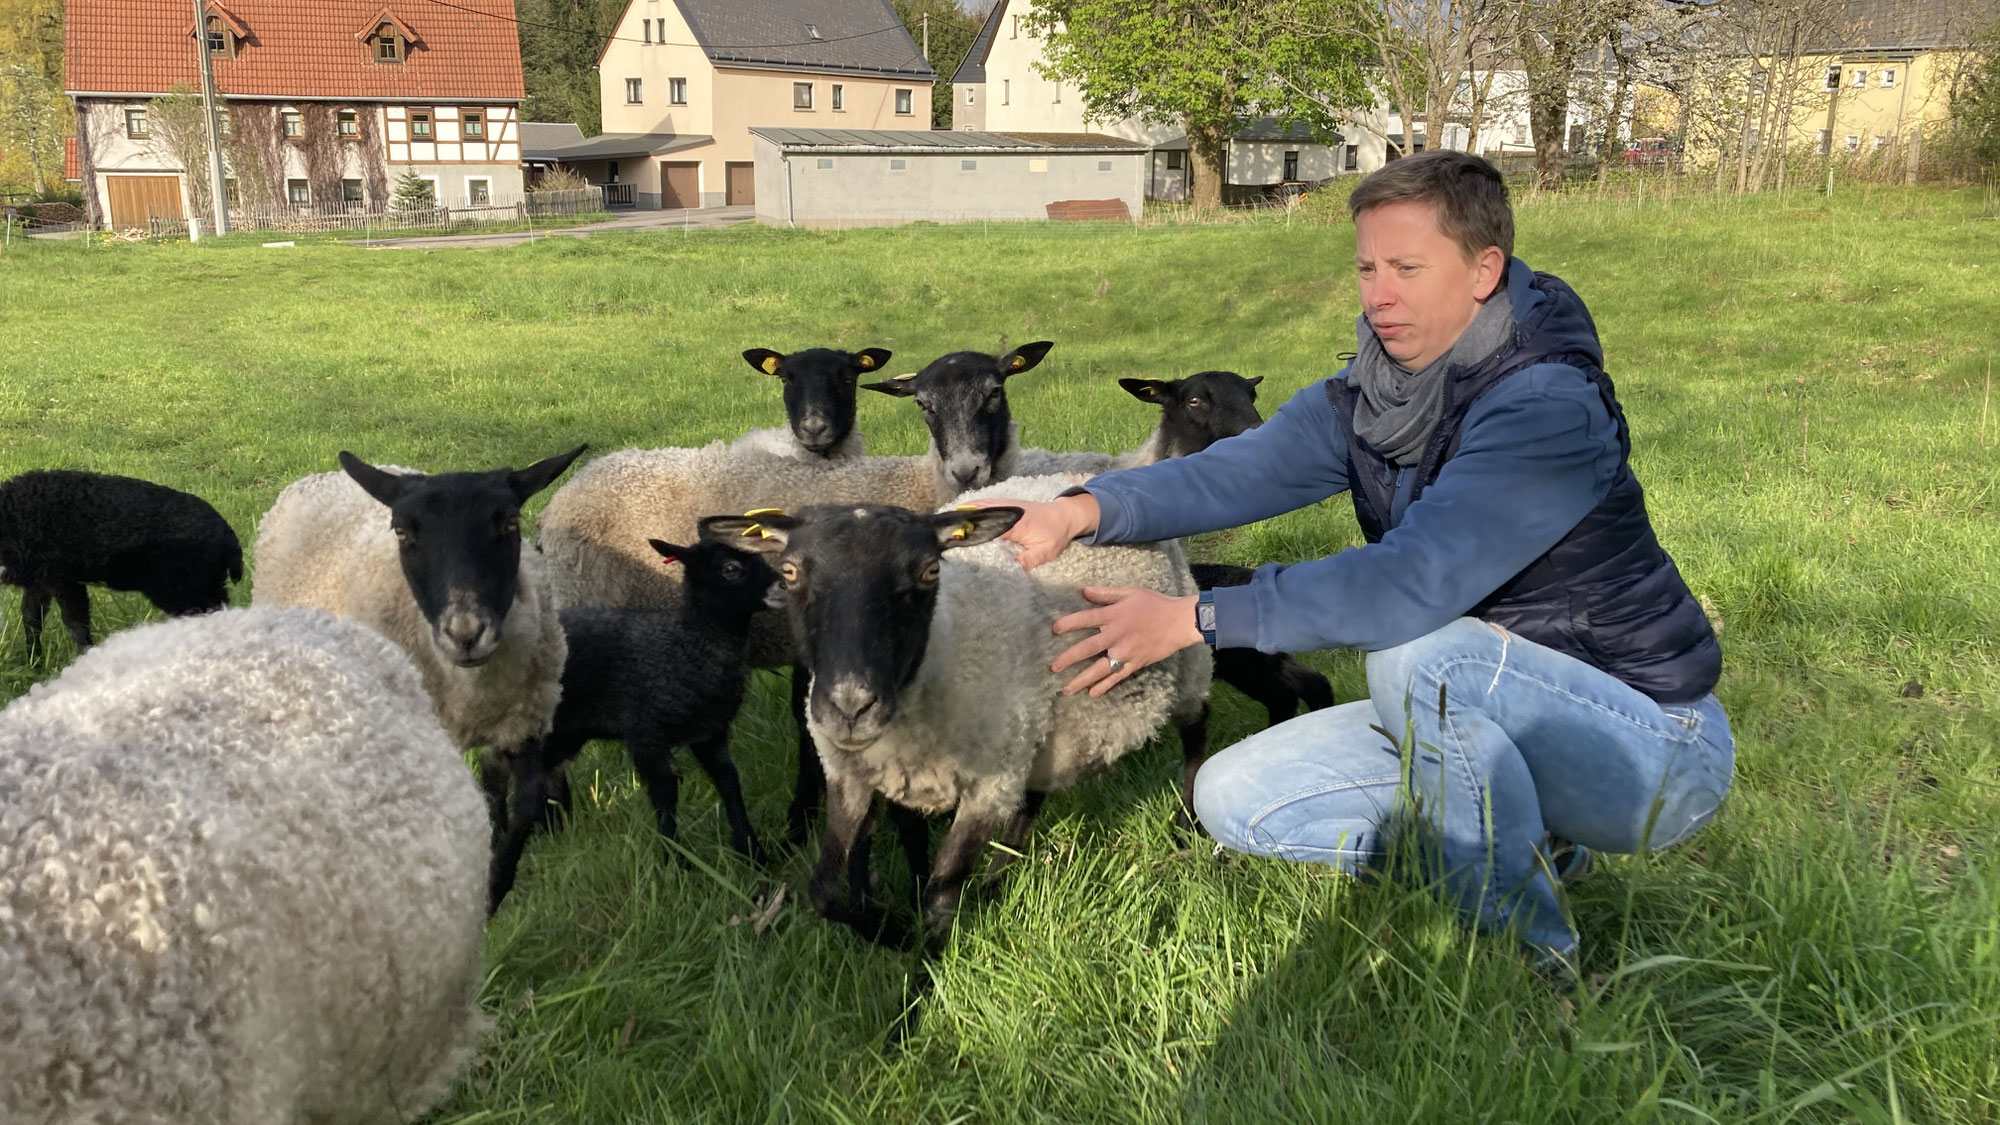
point(653, 679)
point(444, 573)
point(929, 649)
point(241, 880)
point(63, 528)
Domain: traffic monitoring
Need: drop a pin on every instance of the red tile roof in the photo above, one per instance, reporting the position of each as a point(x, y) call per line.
point(466, 49)
point(69, 159)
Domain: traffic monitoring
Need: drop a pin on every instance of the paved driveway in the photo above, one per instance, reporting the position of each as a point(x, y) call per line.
point(695, 219)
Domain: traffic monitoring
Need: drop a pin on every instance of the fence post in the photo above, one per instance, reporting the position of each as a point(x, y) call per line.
point(1916, 151)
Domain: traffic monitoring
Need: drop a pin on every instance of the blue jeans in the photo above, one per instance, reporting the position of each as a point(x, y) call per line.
point(1530, 741)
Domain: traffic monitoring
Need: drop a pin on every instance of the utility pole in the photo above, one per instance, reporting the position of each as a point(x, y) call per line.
point(216, 188)
point(927, 37)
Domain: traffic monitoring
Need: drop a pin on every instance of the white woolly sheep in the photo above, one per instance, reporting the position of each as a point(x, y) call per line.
point(929, 649)
point(242, 880)
point(446, 575)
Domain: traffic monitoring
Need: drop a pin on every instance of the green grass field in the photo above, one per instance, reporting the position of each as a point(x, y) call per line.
point(1807, 389)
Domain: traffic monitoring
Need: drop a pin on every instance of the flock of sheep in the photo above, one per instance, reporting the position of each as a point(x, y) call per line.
point(243, 871)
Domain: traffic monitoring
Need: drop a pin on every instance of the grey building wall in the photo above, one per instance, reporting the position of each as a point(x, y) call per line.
point(890, 187)
point(968, 106)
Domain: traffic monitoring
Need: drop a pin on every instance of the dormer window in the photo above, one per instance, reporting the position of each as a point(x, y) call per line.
point(387, 38)
point(221, 32)
point(812, 32)
point(218, 37)
point(388, 47)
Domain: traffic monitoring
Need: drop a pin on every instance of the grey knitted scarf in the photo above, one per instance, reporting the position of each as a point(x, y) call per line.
point(1399, 407)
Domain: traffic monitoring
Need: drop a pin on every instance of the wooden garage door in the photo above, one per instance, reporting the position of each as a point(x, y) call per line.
point(134, 199)
point(680, 184)
point(742, 185)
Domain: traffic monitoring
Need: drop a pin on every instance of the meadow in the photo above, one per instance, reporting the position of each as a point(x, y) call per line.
point(1808, 387)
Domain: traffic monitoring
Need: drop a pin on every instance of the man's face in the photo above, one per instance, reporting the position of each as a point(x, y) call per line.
point(1418, 289)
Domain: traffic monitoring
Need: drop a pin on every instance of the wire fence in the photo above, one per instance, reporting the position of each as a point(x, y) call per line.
point(391, 218)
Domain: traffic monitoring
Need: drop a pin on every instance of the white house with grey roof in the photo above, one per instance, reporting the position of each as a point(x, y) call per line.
point(683, 82)
point(997, 88)
point(854, 178)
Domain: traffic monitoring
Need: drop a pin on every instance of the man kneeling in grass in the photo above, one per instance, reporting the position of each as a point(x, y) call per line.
point(1524, 629)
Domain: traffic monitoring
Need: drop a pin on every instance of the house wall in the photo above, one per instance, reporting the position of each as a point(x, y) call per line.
point(968, 106)
point(1020, 100)
point(449, 160)
point(725, 103)
point(1875, 114)
point(865, 190)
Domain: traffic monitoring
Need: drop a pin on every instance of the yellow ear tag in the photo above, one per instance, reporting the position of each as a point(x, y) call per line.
point(867, 362)
point(755, 529)
point(962, 530)
point(1019, 360)
point(906, 378)
point(770, 365)
point(755, 512)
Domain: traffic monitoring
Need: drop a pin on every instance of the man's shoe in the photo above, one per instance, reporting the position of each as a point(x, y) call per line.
point(1568, 860)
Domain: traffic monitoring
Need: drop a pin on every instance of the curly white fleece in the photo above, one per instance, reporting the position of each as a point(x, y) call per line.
point(326, 544)
point(242, 881)
point(985, 721)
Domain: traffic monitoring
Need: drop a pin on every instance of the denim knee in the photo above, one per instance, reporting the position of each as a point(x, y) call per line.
point(1398, 675)
point(1227, 793)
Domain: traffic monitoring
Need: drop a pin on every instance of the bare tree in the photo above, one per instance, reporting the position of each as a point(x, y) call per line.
point(1423, 52)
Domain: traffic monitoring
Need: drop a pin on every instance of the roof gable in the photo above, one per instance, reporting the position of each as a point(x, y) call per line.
point(972, 68)
point(469, 49)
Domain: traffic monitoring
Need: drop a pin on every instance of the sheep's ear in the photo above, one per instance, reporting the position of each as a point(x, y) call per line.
point(969, 527)
point(764, 359)
point(526, 482)
point(871, 359)
point(1146, 390)
point(1024, 357)
point(667, 551)
point(764, 533)
point(902, 386)
point(1254, 380)
point(384, 486)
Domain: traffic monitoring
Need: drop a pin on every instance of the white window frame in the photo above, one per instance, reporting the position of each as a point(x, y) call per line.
point(838, 101)
point(1058, 98)
point(677, 91)
point(968, 94)
point(1851, 142)
point(646, 25)
point(469, 181)
point(1006, 91)
point(1859, 80)
point(286, 112)
point(1889, 78)
point(635, 91)
point(1832, 78)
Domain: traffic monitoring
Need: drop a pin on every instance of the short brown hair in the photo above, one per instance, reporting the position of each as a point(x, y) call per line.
point(1468, 193)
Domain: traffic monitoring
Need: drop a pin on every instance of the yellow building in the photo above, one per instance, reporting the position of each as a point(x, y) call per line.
point(684, 81)
point(1894, 78)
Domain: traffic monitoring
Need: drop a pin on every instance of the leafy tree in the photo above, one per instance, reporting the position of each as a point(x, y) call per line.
point(1209, 66)
point(1975, 103)
point(952, 30)
point(34, 115)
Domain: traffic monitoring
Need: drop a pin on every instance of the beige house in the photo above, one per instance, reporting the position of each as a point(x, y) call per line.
point(682, 83)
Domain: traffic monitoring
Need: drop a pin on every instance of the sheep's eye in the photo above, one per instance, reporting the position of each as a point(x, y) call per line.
point(930, 575)
point(1195, 401)
point(402, 534)
point(790, 573)
point(926, 407)
point(732, 571)
point(511, 526)
point(997, 399)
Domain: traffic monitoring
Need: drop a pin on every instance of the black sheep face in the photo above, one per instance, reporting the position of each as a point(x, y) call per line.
point(819, 390)
point(861, 586)
point(459, 538)
point(964, 399)
point(1200, 410)
point(736, 582)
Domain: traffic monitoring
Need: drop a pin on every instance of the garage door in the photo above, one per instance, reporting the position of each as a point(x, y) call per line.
point(134, 199)
point(742, 185)
point(680, 184)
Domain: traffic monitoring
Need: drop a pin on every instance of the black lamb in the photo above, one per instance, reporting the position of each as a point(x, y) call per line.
point(653, 679)
point(63, 528)
point(1275, 679)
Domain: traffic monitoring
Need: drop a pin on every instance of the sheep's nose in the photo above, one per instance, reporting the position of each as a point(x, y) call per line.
point(466, 634)
point(815, 430)
point(965, 477)
point(852, 701)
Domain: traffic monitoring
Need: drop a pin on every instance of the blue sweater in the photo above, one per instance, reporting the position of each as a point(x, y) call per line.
point(1537, 453)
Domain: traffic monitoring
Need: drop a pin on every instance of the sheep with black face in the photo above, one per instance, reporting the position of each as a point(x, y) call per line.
point(445, 573)
point(819, 402)
point(654, 679)
point(929, 651)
